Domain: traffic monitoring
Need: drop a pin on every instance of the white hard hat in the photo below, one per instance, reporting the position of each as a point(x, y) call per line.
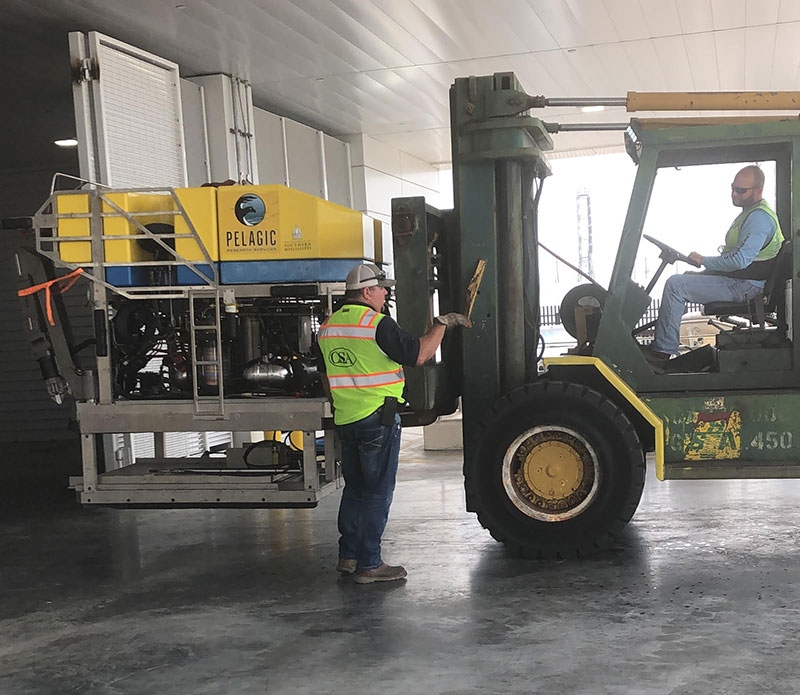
point(367, 275)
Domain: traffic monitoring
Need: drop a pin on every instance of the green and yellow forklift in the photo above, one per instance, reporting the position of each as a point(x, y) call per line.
point(554, 449)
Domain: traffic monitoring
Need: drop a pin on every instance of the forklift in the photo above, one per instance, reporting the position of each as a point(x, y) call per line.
point(554, 448)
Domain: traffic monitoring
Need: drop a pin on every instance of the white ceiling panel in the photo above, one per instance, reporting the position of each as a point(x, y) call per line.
point(595, 74)
point(302, 36)
point(757, 61)
point(702, 53)
point(789, 11)
point(557, 16)
point(674, 62)
point(730, 57)
point(762, 11)
point(595, 21)
point(662, 17)
point(384, 67)
point(785, 57)
point(558, 64)
point(617, 64)
point(728, 14)
point(471, 23)
point(646, 65)
point(374, 21)
point(695, 16)
point(436, 38)
point(521, 19)
point(628, 19)
point(415, 85)
point(335, 25)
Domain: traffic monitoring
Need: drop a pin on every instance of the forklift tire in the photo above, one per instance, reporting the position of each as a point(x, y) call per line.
point(555, 470)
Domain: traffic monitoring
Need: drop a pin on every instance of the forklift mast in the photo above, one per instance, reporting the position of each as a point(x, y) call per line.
point(497, 161)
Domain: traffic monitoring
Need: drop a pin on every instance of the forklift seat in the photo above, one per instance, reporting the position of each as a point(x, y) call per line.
point(772, 299)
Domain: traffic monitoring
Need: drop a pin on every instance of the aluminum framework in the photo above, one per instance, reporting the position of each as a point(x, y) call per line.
point(191, 482)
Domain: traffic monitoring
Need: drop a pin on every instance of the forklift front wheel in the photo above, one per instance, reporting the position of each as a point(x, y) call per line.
point(551, 473)
point(556, 469)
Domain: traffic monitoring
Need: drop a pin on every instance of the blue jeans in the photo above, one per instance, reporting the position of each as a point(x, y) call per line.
point(695, 287)
point(370, 452)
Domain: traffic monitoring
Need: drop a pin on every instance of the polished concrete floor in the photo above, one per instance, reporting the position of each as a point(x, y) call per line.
point(702, 595)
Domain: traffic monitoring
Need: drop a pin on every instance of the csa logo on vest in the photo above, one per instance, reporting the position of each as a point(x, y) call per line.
point(250, 209)
point(342, 357)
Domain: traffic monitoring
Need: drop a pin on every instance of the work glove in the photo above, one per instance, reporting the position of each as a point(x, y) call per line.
point(454, 319)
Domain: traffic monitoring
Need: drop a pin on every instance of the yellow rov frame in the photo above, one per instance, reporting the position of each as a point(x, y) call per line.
point(117, 235)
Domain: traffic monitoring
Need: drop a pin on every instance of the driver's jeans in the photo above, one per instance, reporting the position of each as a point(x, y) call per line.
point(700, 289)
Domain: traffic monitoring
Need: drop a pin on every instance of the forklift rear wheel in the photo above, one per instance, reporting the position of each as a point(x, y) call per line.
point(556, 470)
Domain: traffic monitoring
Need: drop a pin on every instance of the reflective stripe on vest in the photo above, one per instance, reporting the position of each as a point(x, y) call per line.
point(359, 374)
point(365, 333)
point(347, 381)
point(774, 244)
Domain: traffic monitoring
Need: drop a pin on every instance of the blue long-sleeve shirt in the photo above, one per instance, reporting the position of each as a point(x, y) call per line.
point(755, 233)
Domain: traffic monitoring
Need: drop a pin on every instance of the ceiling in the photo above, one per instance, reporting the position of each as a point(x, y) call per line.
point(383, 67)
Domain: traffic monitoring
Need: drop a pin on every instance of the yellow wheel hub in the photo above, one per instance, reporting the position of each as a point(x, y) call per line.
point(551, 473)
point(553, 470)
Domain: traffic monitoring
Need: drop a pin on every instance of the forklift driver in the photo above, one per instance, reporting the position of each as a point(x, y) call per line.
point(736, 275)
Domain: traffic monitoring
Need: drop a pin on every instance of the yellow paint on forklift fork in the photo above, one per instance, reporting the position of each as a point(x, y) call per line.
point(626, 392)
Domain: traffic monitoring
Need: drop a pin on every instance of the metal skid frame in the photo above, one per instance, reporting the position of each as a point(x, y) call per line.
point(193, 482)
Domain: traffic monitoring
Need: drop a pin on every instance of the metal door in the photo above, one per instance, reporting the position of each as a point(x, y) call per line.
point(128, 114)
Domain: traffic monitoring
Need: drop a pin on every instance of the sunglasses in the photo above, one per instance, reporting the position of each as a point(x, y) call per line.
point(741, 190)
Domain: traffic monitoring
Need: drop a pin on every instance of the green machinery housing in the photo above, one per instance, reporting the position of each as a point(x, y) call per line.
point(554, 450)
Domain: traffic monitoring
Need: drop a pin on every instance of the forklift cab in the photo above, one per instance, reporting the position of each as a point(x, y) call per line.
point(755, 349)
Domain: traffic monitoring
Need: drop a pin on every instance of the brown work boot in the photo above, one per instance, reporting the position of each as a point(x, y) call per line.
point(384, 573)
point(346, 565)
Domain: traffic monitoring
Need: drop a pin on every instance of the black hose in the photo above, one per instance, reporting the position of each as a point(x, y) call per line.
point(284, 465)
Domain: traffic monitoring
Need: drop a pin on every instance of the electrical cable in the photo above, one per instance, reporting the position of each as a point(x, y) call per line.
point(282, 467)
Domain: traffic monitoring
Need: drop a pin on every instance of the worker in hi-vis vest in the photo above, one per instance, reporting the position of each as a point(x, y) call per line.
point(736, 275)
point(364, 352)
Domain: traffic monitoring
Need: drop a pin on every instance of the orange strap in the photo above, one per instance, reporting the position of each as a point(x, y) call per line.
point(69, 281)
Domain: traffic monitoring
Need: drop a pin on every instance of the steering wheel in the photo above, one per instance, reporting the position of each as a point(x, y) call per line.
point(670, 255)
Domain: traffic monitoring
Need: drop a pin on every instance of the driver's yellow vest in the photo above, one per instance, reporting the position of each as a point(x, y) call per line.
point(359, 373)
point(774, 245)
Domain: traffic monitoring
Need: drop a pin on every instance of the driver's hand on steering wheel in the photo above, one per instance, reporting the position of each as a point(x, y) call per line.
point(696, 257)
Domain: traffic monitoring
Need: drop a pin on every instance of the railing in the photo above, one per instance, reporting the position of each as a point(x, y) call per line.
point(100, 207)
point(550, 316)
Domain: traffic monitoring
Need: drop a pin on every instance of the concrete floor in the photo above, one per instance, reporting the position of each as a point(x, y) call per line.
point(702, 595)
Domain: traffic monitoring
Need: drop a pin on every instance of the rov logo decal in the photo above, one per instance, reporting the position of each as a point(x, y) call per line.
point(250, 209)
point(342, 357)
point(297, 233)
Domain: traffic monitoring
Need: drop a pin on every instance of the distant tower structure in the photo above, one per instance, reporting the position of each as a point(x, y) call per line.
point(583, 205)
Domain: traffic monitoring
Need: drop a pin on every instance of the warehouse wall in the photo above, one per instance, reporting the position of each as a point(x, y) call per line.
point(304, 158)
point(382, 172)
point(26, 412)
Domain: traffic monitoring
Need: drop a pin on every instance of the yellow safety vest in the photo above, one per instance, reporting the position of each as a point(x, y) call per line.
point(359, 373)
point(774, 245)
